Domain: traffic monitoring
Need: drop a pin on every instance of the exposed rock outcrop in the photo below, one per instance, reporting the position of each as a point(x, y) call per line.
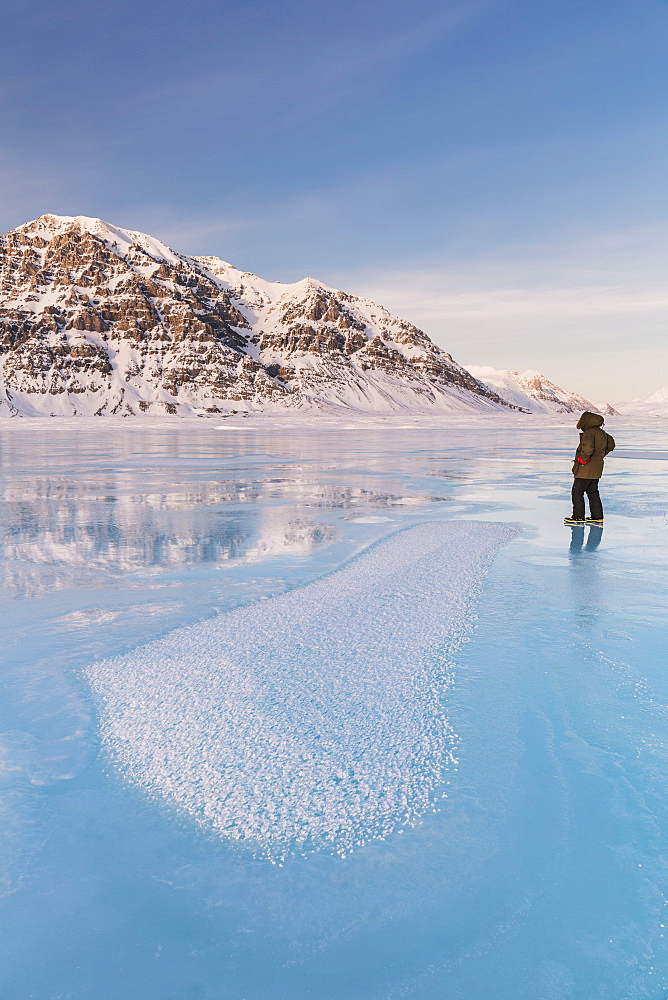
point(100, 320)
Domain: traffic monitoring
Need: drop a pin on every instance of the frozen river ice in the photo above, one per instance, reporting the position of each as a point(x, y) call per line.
point(231, 654)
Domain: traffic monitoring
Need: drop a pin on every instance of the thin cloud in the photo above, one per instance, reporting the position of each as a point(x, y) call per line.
point(326, 69)
point(423, 296)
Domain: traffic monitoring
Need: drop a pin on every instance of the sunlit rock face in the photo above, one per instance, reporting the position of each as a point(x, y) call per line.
point(96, 320)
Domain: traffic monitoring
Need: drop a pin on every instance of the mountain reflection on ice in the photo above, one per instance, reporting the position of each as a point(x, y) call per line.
point(541, 875)
point(67, 526)
point(54, 528)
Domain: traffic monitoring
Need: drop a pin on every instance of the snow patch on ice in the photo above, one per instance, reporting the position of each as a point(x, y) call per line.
point(310, 720)
point(369, 519)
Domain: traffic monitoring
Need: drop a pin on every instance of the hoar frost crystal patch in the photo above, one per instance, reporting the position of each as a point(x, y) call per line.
point(314, 719)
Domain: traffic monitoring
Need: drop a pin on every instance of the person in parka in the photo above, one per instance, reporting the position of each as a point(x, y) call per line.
point(594, 445)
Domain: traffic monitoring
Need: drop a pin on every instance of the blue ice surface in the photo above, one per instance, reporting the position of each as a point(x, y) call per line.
point(540, 874)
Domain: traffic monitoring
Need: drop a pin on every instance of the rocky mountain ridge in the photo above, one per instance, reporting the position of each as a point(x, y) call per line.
point(530, 390)
point(97, 320)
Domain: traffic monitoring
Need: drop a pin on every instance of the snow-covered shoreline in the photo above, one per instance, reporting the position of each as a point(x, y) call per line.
point(314, 420)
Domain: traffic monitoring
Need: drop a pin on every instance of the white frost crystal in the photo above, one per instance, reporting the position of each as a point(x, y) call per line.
point(314, 719)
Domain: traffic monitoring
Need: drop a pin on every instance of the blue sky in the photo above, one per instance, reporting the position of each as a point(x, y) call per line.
point(494, 170)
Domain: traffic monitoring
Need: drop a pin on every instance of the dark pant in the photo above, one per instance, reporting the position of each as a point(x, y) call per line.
point(590, 487)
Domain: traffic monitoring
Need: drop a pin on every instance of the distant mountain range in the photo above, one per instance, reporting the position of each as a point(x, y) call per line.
point(532, 391)
point(96, 320)
point(655, 405)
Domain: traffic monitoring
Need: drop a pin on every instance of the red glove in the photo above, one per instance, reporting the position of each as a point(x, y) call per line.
point(583, 461)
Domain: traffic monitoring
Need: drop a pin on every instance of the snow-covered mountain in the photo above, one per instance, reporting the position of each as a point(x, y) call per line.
point(532, 391)
point(97, 320)
point(655, 405)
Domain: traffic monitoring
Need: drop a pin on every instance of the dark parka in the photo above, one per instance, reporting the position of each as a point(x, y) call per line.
point(594, 445)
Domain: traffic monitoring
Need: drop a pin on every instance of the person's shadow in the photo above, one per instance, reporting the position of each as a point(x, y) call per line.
point(593, 538)
point(584, 577)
